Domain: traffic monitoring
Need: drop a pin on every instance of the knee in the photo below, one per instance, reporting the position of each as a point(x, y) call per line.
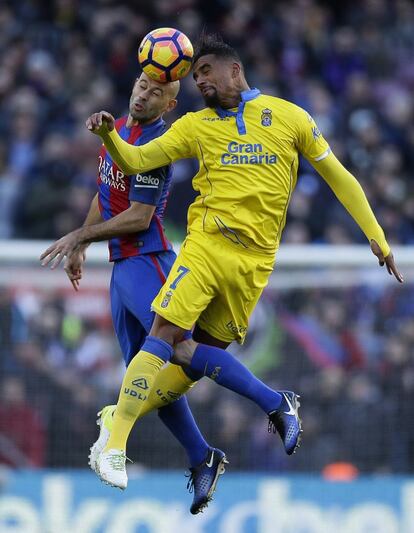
point(183, 352)
point(166, 331)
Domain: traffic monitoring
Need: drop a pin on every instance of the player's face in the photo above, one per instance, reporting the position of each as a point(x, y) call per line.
point(216, 78)
point(150, 99)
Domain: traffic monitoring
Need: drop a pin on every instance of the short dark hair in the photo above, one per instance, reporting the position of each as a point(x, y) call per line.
point(212, 43)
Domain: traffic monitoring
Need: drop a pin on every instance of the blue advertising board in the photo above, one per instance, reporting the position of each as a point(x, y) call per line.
point(76, 502)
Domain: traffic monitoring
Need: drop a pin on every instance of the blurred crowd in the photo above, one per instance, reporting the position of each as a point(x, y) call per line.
point(348, 352)
point(348, 63)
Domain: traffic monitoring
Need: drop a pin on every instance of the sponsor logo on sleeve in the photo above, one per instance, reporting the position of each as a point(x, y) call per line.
point(316, 133)
point(315, 130)
point(146, 181)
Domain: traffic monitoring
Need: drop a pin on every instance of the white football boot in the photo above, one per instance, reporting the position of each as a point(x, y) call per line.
point(104, 421)
point(111, 468)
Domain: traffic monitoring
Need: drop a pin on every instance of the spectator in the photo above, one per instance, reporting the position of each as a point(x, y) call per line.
point(350, 64)
point(22, 432)
point(350, 67)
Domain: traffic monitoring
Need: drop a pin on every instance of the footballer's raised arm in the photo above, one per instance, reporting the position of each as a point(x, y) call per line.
point(314, 147)
point(134, 159)
point(173, 145)
point(351, 195)
point(345, 187)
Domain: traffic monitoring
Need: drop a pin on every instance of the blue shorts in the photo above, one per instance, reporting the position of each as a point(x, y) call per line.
point(135, 283)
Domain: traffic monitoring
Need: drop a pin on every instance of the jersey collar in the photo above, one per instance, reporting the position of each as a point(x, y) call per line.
point(156, 124)
point(246, 96)
point(251, 94)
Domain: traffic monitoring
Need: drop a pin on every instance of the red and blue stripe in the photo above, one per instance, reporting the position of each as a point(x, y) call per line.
point(113, 201)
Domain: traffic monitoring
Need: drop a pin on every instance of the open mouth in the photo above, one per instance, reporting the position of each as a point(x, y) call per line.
point(138, 107)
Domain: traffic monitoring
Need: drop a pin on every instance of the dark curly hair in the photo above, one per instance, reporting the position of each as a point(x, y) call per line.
point(212, 43)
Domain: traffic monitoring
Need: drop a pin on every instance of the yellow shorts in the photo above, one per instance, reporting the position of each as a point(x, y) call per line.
point(214, 284)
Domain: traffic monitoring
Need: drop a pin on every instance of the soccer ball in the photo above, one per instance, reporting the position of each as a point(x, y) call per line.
point(165, 54)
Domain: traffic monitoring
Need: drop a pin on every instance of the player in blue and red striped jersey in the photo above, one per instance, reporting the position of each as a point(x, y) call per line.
point(128, 211)
point(117, 191)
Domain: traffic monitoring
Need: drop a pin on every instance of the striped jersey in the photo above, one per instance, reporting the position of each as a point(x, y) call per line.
point(117, 191)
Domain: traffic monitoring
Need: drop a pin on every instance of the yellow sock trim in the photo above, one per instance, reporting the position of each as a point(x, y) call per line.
point(136, 387)
point(171, 383)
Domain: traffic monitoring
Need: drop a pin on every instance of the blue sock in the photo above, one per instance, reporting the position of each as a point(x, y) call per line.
point(226, 370)
point(192, 374)
point(179, 419)
point(158, 347)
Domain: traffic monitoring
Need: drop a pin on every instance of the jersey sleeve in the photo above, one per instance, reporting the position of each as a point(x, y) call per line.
point(349, 192)
point(310, 141)
point(177, 142)
point(147, 187)
point(172, 145)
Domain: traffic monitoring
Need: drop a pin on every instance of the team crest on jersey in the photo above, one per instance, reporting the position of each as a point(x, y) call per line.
point(266, 117)
point(166, 299)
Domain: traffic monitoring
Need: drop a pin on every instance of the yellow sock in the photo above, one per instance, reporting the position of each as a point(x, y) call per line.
point(135, 388)
point(170, 383)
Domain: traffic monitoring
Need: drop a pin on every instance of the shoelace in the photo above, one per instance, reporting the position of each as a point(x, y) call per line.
point(117, 462)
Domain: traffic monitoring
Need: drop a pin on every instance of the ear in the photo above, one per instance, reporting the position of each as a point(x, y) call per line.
point(172, 104)
point(236, 69)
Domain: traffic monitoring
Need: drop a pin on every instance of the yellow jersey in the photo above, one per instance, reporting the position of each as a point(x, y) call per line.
point(248, 161)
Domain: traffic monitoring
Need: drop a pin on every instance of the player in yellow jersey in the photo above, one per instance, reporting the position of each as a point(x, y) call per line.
point(247, 145)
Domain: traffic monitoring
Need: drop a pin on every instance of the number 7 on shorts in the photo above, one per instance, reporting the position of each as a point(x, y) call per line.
point(182, 271)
